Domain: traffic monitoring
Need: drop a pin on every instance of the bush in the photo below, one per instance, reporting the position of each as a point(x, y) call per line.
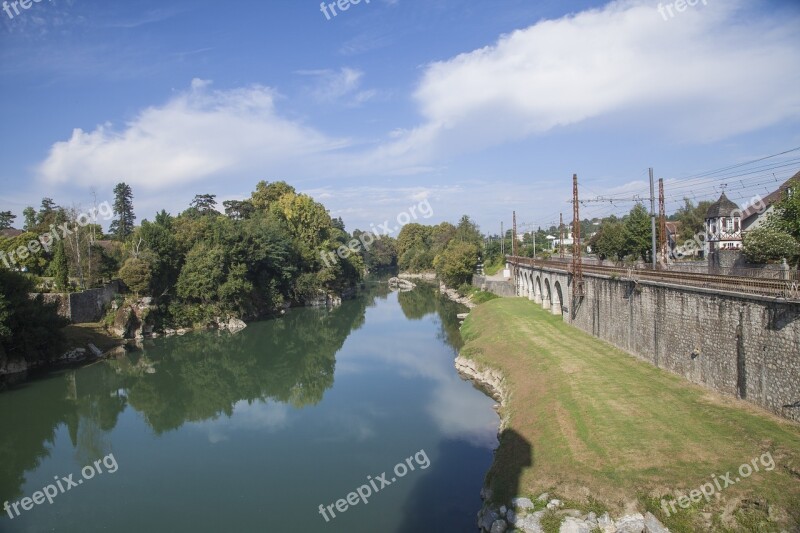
point(766, 244)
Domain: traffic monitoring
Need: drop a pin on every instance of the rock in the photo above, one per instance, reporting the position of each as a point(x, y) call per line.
point(652, 525)
point(499, 526)
point(95, 350)
point(486, 493)
point(631, 524)
point(400, 284)
point(169, 332)
point(73, 355)
point(14, 366)
point(543, 497)
point(606, 524)
point(555, 504)
point(511, 517)
point(503, 510)
point(574, 525)
point(488, 519)
point(233, 325)
point(522, 503)
point(462, 316)
point(592, 517)
point(531, 523)
point(574, 513)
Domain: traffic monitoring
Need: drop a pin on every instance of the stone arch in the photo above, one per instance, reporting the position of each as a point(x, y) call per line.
point(558, 299)
point(547, 297)
point(537, 290)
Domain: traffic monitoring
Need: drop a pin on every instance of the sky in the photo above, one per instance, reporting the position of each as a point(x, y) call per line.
point(478, 108)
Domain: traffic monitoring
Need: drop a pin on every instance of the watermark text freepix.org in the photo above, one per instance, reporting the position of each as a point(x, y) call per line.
point(61, 486)
point(679, 6)
point(46, 240)
point(343, 5)
point(24, 4)
point(364, 492)
point(366, 239)
point(720, 483)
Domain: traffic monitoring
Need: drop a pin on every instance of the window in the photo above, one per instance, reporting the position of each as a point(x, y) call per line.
point(729, 225)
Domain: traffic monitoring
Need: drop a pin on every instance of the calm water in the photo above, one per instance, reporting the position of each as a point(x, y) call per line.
point(253, 431)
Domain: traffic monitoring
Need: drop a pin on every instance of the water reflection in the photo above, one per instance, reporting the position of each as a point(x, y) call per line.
point(397, 382)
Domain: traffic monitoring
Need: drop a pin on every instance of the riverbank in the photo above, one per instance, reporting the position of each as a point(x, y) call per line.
point(600, 431)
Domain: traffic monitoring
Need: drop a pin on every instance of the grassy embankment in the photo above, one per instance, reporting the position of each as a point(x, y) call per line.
point(604, 430)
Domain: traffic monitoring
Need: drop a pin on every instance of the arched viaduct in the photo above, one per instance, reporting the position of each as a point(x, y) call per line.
point(550, 287)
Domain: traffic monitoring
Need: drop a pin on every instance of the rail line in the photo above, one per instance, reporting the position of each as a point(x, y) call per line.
point(773, 288)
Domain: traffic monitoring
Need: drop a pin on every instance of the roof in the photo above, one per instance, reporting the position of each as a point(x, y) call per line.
point(722, 208)
point(672, 227)
point(10, 232)
point(771, 198)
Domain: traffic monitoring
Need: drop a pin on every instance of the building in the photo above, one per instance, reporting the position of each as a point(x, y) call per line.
point(723, 226)
point(754, 216)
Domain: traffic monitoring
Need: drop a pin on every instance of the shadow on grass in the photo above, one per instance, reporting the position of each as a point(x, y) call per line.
point(512, 457)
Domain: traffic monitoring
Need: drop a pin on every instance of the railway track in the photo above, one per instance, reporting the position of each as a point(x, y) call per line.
point(775, 288)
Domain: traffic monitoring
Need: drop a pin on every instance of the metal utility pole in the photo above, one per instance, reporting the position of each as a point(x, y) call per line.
point(561, 235)
point(502, 242)
point(514, 234)
point(652, 220)
point(577, 265)
point(662, 222)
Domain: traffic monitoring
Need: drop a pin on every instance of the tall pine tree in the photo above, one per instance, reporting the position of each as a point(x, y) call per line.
point(122, 226)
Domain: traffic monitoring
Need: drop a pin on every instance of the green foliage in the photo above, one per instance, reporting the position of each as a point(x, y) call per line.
point(29, 328)
point(786, 216)
point(122, 226)
point(268, 193)
point(6, 219)
point(691, 218)
point(638, 232)
point(34, 263)
point(136, 274)
point(767, 244)
point(456, 265)
point(61, 268)
point(29, 217)
point(550, 522)
point(609, 241)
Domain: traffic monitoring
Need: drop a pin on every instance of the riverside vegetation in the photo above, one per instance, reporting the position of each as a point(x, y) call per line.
point(203, 268)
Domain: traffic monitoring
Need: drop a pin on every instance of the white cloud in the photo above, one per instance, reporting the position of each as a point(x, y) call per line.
point(711, 72)
point(197, 134)
point(332, 86)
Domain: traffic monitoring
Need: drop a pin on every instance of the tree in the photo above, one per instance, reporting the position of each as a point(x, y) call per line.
point(457, 263)
point(204, 203)
point(239, 209)
point(786, 216)
point(637, 231)
point(122, 226)
point(136, 274)
point(467, 231)
point(29, 216)
point(692, 219)
point(202, 274)
point(268, 193)
point(60, 267)
point(6, 219)
point(609, 241)
point(767, 244)
point(29, 328)
point(48, 213)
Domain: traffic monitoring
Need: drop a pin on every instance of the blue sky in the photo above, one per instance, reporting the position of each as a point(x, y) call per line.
point(479, 107)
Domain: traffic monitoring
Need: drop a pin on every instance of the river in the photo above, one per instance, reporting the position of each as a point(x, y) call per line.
point(255, 431)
